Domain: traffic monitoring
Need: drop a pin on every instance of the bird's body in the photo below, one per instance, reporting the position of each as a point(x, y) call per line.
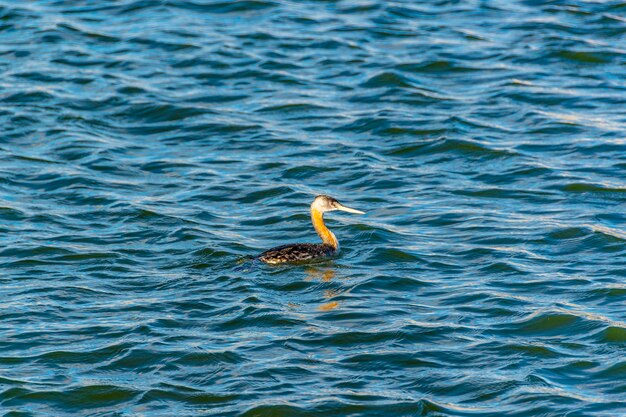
point(297, 252)
point(310, 251)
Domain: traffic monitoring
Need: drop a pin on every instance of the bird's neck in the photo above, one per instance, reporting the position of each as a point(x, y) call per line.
point(326, 235)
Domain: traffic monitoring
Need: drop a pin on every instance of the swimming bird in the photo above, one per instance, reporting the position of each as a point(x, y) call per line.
point(308, 251)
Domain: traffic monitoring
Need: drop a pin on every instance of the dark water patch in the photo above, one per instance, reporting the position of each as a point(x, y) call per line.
point(136, 6)
point(100, 37)
point(280, 65)
point(24, 263)
point(82, 62)
point(202, 358)
point(529, 350)
point(215, 128)
point(165, 166)
point(393, 131)
point(607, 294)
point(592, 188)
point(36, 251)
point(11, 214)
point(307, 171)
point(246, 75)
point(239, 6)
point(28, 97)
point(615, 370)
point(569, 233)
point(386, 79)
point(48, 78)
point(383, 405)
point(74, 399)
point(581, 239)
point(392, 255)
point(222, 98)
point(166, 46)
point(276, 410)
point(445, 145)
point(93, 357)
point(389, 283)
point(445, 67)
point(551, 323)
point(388, 360)
point(139, 360)
point(503, 268)
point(153, 113)
point(588, 57)
point(201, 62)
point(293, 108)
point(96, 104)
point(613, 334)
point(85, 257)
point(257, 320)
point(193, 398)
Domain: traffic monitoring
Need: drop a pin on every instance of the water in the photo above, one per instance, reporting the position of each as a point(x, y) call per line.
point(149, 146)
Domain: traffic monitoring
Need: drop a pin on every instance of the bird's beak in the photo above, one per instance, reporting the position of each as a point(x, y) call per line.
point(341, 207)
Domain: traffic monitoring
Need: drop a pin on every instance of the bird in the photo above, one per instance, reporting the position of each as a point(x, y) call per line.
point(297, 252)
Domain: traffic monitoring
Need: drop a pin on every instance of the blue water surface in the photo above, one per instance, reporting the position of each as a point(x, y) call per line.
point(149, 147)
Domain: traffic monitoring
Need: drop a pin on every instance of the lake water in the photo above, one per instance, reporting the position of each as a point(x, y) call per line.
point(149, 147)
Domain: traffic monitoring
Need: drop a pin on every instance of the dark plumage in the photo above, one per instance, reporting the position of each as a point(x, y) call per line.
point(296, 252)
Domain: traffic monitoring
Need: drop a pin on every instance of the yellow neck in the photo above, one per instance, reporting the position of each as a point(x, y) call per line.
point(318, 223)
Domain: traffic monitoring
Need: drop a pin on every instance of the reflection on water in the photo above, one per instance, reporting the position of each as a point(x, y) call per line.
point(324, 275)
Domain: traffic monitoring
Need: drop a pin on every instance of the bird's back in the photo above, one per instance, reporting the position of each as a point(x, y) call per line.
point(296, 252)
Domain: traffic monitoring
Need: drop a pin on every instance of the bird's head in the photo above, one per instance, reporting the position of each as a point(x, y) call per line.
point(324, 203)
